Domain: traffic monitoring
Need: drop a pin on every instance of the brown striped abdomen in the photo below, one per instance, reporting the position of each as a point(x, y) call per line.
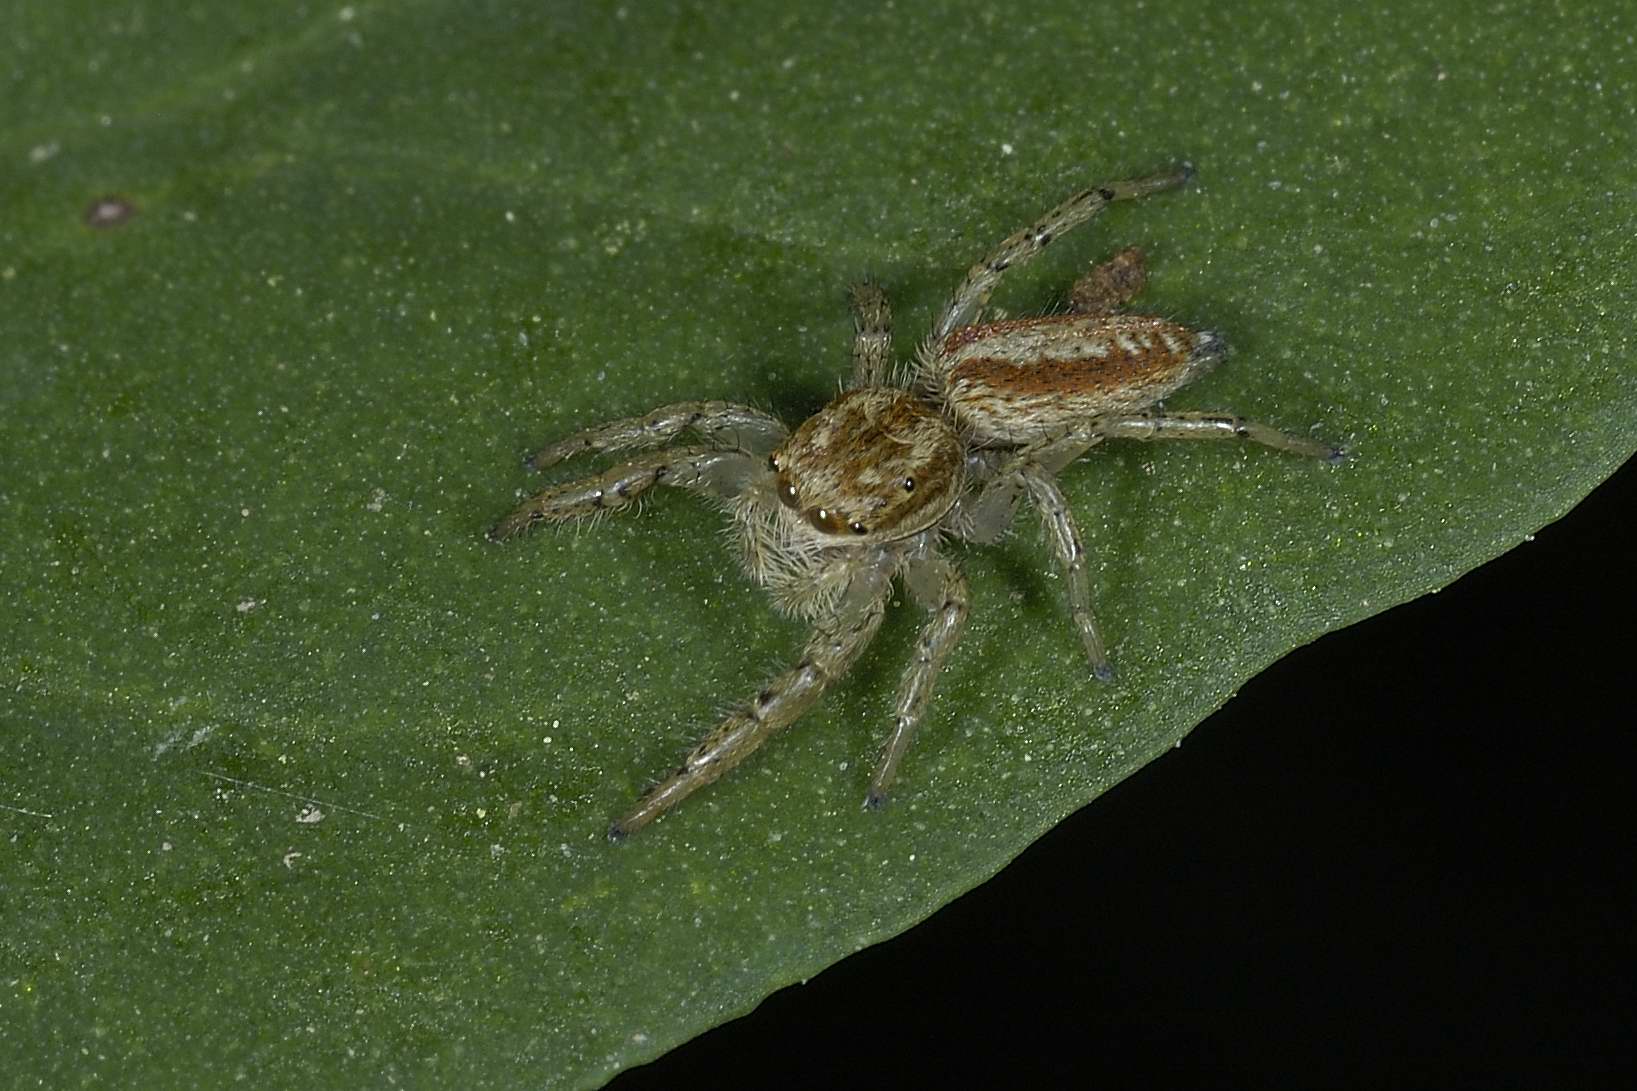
point(1012, 382)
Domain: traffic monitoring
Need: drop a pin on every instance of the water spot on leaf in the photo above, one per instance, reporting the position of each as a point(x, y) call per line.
point(110, 211)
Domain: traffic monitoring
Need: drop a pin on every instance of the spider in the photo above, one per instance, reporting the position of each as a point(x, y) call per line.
point(872, 486)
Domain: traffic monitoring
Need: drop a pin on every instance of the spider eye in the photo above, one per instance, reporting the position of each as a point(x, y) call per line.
point(824, 519)
point(787, 493)
point(909, 484)
point(858, 528)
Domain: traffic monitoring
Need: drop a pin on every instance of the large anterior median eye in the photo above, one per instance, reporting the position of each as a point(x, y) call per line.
point(830, 522)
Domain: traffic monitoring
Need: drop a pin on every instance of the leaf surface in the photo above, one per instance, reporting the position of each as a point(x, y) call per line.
point(307, 783)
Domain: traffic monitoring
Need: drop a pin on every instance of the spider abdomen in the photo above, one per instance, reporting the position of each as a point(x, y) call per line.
point(1058, 371)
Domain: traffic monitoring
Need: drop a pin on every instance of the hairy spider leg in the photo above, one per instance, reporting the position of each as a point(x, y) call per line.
point(1214, 425)
point(1064, 535)
point(940, 586)
point(723, 424)
point(972, 295)
point(836, 642)
point(716, 472)
point(872, 335)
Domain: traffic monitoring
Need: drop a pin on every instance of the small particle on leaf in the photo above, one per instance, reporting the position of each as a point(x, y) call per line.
point(310, 815)
point(109, 212)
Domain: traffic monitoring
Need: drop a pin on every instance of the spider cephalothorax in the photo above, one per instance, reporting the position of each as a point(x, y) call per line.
point(867, 489)
point(876, 464)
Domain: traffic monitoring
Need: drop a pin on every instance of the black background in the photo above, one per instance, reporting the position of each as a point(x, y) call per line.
point(1401, 856)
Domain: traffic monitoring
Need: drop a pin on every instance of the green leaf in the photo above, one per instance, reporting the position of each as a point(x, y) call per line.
point(308, 782)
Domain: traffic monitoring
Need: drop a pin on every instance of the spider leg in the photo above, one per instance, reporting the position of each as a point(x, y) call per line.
point(872, 335)
point(1210, 425)
point(1071, 552)
point(724, 424)
point(704, 469)
point(835, 644)
point(974, 291)
point(986, 515)
point(941, 587)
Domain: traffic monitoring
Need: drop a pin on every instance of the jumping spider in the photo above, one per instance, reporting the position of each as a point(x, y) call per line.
point(870, 487)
